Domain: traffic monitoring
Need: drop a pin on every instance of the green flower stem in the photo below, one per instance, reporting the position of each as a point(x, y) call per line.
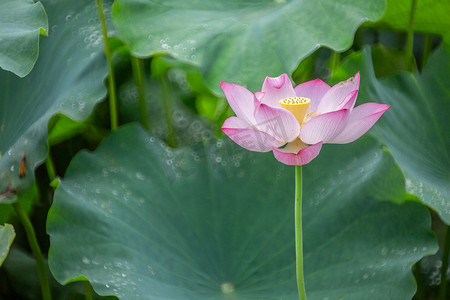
point(137, 65)
point(298, 233)
point(445, 253)
point(42, 268)
point(410, 36)
point(165, 91)
point(112, 84)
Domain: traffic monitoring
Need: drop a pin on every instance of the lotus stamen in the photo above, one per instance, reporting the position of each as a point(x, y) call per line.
point(298, 106)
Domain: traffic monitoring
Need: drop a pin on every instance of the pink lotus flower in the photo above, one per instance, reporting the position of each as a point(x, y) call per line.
point(295, 122)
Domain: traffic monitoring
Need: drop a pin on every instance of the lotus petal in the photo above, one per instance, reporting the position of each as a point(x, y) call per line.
point(302, 157)
point(277, 122)
point(247, 136)
point(276, 89)
point(314, 90)
point(362, 118)
point(241, 100)
point(325, 127)
point(337, 93)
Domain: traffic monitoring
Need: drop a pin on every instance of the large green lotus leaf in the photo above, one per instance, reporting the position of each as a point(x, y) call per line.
point(416, 126)
point(67, 79)
point(7, 235)
point(431, 16)
point(21, 23)
point(143, 221)
point(241, 41)
point(21, 270)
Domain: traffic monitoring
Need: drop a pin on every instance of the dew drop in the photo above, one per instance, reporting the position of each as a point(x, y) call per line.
point(150, 269)
point(227, 288)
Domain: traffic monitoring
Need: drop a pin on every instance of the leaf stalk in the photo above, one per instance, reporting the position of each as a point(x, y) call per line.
point(427, 45)
point(88, 290)
point(32, 240)
point(444, 266)
point(112, 84)
point(410, 36)
point(168, 110)
point(137, 65)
